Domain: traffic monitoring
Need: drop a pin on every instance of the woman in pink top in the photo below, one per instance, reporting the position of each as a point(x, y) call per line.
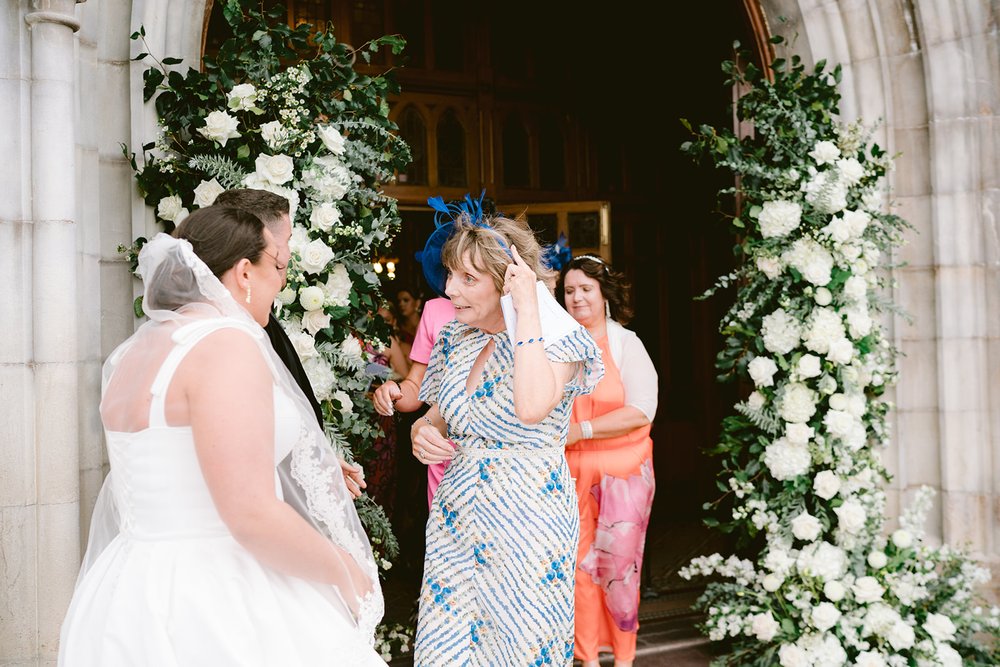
point(403, 396)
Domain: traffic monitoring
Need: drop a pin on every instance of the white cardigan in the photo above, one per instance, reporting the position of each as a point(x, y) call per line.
point(636, 368)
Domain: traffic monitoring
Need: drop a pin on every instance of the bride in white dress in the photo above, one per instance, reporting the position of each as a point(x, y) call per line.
point(224, 534)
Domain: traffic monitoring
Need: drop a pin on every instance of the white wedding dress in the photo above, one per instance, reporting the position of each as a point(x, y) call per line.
point(174, 588)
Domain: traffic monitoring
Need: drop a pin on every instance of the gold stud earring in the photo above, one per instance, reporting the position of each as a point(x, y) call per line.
point(248, 293)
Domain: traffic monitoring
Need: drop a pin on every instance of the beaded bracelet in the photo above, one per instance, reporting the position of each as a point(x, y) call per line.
point(586, 430)
point(530, 341)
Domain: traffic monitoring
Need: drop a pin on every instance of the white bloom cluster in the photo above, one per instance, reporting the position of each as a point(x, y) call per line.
point(778, 218)
point(786, 460)
point(810, 259)
point(781, 332)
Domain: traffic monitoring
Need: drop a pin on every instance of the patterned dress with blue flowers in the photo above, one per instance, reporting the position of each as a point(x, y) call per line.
point(504, 525)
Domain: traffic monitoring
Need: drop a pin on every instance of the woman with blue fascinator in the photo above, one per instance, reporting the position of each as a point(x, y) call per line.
point(501, 538)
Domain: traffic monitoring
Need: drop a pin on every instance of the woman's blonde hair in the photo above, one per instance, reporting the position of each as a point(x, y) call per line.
point(488, 243)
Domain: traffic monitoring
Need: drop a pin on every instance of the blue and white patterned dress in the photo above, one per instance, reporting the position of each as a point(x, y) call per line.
point(504, 525)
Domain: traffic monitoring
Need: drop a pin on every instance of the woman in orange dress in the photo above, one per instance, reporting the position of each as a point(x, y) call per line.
point(610, 454)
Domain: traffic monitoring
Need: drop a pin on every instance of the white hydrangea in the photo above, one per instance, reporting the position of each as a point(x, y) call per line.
point(781, 332)
point(870, 659)
point(786, 460)
point(798, 433)
point(856, 288)
point(859, 322)
point(338, 286)
point(797, 403)
point(824, 328)
point(779, 561)
point(330, 179)
point(826, 192)
point(901, 636)
point(823, 560)
point(790, 655)
point(857, 222)
point(812, 260)
point(778, 218)
point(321, 376)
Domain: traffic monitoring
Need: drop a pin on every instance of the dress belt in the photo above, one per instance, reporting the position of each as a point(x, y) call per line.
point(485, 453)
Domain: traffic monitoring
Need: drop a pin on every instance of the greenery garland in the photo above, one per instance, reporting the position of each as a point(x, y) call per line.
point(801, 475)
point(283, 109)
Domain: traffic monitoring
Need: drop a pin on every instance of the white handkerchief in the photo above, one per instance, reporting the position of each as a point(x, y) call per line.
point(556, 322)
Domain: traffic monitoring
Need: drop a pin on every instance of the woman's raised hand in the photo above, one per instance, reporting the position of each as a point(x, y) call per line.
point(519, 281)
point(385, 397)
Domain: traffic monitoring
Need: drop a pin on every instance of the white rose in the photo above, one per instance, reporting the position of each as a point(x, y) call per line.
point(902, 538)
point(315, 256)
point(755, 400)
point(857, 222)
point(771, 582)
point(851, 171)
point(351, 348)
point(870, 659)
point(824, 616)
point(324, 217)
point(859, 322)
point(838, 423)
point(786, 460)
point(825, 152)
point(940, 627)
point(304, 344)
point(822, 297)
point(867, 589)
point(824, 328)
point(808, 366)
point(274, 134)
point(762, 370)
point(332, 139)
point(812, 260)
point(777, 218)
point(312, 298)
point(851, 517)
point(790, 655)
point(839, 402)
point(169, 208)
point(286, 296)
point(243, 96)
point(764, 627)
point(841, 351)
point(316, 320)
point(827, 385)
point(826, 484)
point(276, 169)
point(948, 656)
point(806, 527)
point(878, 559)
point(769, 266)
point(834, 591)
point(346, 404)
point(901, 636)
point(799, 434)
point(837, 230)
point(220, 127)
point(206, 192)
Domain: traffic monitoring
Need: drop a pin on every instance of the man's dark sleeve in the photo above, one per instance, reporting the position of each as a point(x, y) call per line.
point(286, 352)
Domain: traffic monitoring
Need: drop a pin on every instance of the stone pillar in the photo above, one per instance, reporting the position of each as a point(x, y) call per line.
point(54, 309)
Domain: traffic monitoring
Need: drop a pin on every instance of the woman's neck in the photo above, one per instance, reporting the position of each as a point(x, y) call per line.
point(598, 329)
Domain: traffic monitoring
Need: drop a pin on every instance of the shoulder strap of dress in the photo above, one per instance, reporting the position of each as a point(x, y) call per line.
point(184, 339)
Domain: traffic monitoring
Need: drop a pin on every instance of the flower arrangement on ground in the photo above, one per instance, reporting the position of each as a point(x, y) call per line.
point(801, 471)
point(283, 109)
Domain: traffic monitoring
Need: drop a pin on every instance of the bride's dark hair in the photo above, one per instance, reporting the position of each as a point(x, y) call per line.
point(220, 236)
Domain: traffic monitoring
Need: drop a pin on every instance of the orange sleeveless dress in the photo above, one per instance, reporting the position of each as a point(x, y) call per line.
point(614, 487)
